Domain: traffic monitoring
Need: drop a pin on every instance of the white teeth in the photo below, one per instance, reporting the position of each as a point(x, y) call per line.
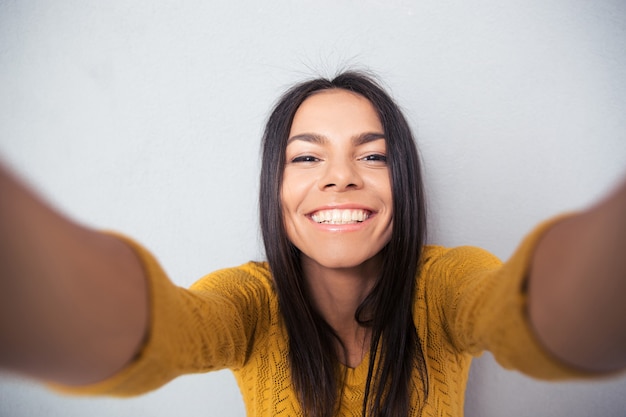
point(337, 216)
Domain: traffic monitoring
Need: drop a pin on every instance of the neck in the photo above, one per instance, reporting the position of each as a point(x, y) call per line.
point(337, 293)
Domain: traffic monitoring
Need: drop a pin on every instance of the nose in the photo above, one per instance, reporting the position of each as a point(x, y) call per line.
point(340, 175)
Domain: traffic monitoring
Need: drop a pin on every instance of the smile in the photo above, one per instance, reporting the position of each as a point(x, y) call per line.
point(337, 216)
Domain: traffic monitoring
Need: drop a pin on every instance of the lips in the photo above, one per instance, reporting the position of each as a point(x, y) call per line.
point(340, 216)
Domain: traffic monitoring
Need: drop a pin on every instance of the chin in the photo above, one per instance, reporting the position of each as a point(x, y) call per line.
point(345, 261)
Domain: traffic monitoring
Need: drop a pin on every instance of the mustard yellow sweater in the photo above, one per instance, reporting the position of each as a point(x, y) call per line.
point(467, 301)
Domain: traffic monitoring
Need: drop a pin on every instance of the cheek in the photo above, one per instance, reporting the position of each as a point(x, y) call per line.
point(293, 192)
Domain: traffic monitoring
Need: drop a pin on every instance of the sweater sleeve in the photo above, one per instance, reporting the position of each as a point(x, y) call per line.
point(208, 327)
point(484, 307)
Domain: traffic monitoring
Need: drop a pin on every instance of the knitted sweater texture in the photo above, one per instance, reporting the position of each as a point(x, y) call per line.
point(466, 302)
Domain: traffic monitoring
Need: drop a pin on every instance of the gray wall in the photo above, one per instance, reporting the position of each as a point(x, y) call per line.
point(145, 117)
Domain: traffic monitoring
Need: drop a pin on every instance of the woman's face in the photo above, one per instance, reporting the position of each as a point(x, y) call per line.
point(336, 190)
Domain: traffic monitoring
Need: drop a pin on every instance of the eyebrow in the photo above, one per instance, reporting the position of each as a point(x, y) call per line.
point(357, 140)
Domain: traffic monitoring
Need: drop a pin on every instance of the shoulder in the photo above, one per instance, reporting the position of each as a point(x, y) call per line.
point(448, 275)
point(240, 299)
point(461, 260)
point(251, 277)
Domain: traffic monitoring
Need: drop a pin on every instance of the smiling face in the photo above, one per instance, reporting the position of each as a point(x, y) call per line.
point(336, 190)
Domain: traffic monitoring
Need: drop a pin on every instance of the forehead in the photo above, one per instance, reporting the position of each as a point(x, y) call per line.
point(338, 110)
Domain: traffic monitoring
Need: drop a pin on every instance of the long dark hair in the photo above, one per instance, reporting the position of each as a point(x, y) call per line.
point(395, 351)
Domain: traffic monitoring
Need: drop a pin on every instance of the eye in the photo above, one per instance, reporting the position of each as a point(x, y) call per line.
point(375, 157)
point(305, 158)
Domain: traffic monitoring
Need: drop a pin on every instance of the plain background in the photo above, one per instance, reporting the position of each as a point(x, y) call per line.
point(145, 117)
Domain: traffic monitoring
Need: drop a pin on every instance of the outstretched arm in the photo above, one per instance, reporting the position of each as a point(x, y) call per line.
point(577, 287)
point(73, 302)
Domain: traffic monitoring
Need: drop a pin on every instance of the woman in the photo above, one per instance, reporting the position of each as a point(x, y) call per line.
point(351, 315)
